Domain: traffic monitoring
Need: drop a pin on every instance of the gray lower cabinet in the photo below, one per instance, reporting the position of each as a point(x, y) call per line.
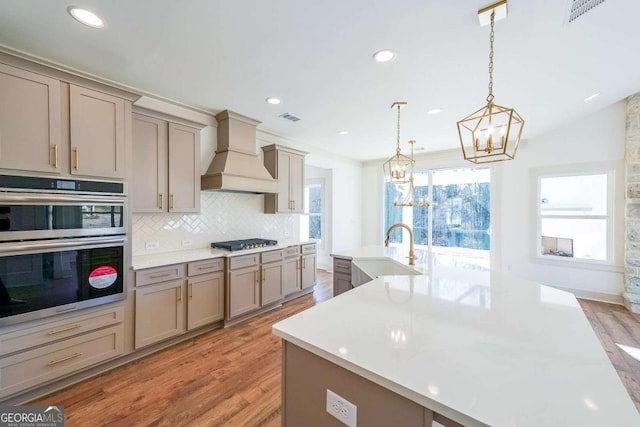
point(243, 286)
point(47, 350)
point(205, 292)
point(271, 277)
point(167, 305)
point(291, 275)
point(159, 312)
point(341, 275)
point(308, 265)
point(291, 270)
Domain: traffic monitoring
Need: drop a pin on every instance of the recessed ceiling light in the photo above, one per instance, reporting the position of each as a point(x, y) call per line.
point(434, 111)
point(589, 98)
point(344, 132)
point(273, 101)
point(86, 17)
point(384, 55)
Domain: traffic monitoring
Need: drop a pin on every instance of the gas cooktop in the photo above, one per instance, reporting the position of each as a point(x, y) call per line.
point(239, 245)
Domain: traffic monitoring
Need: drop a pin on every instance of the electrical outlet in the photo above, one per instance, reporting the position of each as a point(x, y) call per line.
point(342, 409)
point(152, 245)
point(186, 243)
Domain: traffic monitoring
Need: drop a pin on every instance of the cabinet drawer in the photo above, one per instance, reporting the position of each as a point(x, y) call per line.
point(342, 265)
point(292, 251)
point(206, 266)
point(34, 367)
point(160, 274)
point(271, 256)
point(309, 248)
point(243, 261)
point(44, 334)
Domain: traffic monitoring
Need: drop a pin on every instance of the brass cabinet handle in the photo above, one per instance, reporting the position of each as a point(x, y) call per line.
point(160, 200)
point(53, 362)
point(55, 156)
point(156, 276)
point(171, 201)
point(208, 267)
point(255, 277)
point(304, 264)
point(64, 328)
point(76, 151)
point(263, 275)
point(179, 289)
point(190, 290)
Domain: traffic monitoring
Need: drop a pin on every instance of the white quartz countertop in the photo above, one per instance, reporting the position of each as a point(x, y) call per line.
point(140, 262)
point(476, 346)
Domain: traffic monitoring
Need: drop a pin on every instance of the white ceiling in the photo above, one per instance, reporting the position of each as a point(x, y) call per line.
point(316, 57)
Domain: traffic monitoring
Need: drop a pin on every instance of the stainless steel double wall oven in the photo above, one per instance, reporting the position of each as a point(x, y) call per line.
point(61, 245)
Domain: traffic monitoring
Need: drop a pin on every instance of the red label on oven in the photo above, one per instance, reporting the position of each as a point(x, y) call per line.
point(103, 277)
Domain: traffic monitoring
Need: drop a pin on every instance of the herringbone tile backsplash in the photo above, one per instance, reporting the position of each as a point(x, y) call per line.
point(223, 216)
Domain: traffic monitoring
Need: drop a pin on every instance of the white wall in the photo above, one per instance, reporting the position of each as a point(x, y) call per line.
point(346, 200)
point(596, 138)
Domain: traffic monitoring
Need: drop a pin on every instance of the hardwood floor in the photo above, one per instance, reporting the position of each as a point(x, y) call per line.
point(224, 377)
point(614, 324)
point(232, 376)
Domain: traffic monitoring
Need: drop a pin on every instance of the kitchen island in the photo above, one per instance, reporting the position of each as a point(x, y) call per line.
point(468, 346)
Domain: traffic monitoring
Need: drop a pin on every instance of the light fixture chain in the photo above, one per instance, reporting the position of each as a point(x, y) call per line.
point(398, 132)
point(491, 37)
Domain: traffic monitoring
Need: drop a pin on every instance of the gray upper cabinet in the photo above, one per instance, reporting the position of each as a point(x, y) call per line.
point(30, 121)
point(166, 175)
point(287, 166)
point(148, 186)
point(184, 168)
point(97, 132)
point(53, 127)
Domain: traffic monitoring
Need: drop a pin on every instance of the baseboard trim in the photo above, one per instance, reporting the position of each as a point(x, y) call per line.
point(591, 295)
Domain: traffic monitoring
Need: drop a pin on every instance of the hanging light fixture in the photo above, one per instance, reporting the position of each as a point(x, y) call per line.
point(398, 168)
point(409, 198)
point(492, 133)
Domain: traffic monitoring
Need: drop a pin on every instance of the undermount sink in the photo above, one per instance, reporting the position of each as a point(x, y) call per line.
point(364, 270)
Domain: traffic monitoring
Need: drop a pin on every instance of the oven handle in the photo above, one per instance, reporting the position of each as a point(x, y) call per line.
point(22, 247)
point(50, 199)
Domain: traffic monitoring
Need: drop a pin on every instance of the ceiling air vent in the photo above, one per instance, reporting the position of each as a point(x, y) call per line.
point(290, 117)
point(577, 8)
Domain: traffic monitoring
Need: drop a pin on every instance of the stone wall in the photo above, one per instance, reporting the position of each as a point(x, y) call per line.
point(631, 295)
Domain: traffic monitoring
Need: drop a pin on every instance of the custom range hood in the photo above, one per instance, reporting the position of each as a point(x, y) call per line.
point(236, 165)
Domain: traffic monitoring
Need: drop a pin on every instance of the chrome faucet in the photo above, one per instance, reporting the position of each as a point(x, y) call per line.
point(412, 256)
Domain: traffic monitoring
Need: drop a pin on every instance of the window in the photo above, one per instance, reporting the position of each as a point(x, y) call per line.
point(575, 217)
point(459, 216)
point(311, 224)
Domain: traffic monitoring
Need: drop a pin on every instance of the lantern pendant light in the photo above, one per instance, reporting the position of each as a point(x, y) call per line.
point(410, 199)
point(492, 133)
point(398, 168)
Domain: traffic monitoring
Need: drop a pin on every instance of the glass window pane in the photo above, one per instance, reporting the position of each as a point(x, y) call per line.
point(421, 218)
point(574, 237)
point(574, 195)
point(315, 199)
point(461, 208)
point(392, 214)
point(315, 227)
